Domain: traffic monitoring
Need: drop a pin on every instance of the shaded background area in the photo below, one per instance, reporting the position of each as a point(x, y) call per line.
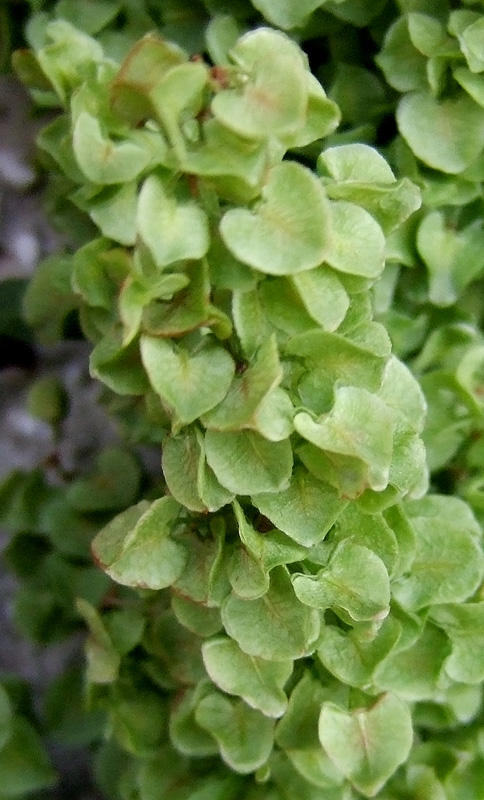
point(25, 442)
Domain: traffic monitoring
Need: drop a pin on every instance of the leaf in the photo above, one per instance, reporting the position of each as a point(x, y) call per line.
point(463, 625)
point(191, 383)
point(287, 13)
point(6, 715)
point(138, 717)
point(289, 231)
point(447, 135)
point(273, 97)
point(356, 163)
point(257, 681)
point(351, 656)
point(175, 649)
point(367, 745)
point(245, 736)
point(24, 764)
point(369, 530)
point(247, 391)
point(355, 580)
point(246, 463)
point(101, 159)
point(322, 118)
point(401, 391)
point(271, 548)
point(186, 734)
point(413, 674)
point(323, 296)
point(113, 210)
point(298, 728)
point(359, 425)
point(103, 660)
point(275, 627)
point(305, 511)
point(113, 484)
point(118, 365)
point(203, 579)
point(66, 56)
point(180, 462)
point(448, 565)
point(453, 259)
point(142, 68)
point(90, 19)
point(402, 64)
point(49, 299)
point(333, 357)
point(293, 786)
point(471, 41)
point(136, 548)
point(189, 478)
point(357, 244)
point(248, 578)
point(172, 230)
point(196, 617)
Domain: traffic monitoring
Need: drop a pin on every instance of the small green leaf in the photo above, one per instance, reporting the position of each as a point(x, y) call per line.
point(276, 627)
point(90, 18)
point(287, 14)
point(447, 135)
point(367, 745)
point(113, 484)
point(248, 578)
point(191, 383)
point(357, 245)
point(472, 45)
point(449, 564)
point(6, 716)
point(402, 64)
point(305, 511)
point(362, 176)
point(352, 656)
point(138, 718)
point(196, 617)
point(113, 210)
point(180, 462)
point(453, 259)
point(136, 549)
point(324, 297)
point(172, 230)
point(414, 673)
point(101, 159)
point(49, 299)
point(355, 580)
point(67, 56)
point(147, 61)
point(359, 425)
point(464, 626)
point(103, 660)
point(368, 530)
point(272, 99)
point(203, 579)
point(333, 357)
point(186, 734)
point(289, 231)
point(47, 399)
point(245, 736)
point(24, 764)
point(271, 548)
point(246, 463)
point(247, 391)
point(260, 683)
